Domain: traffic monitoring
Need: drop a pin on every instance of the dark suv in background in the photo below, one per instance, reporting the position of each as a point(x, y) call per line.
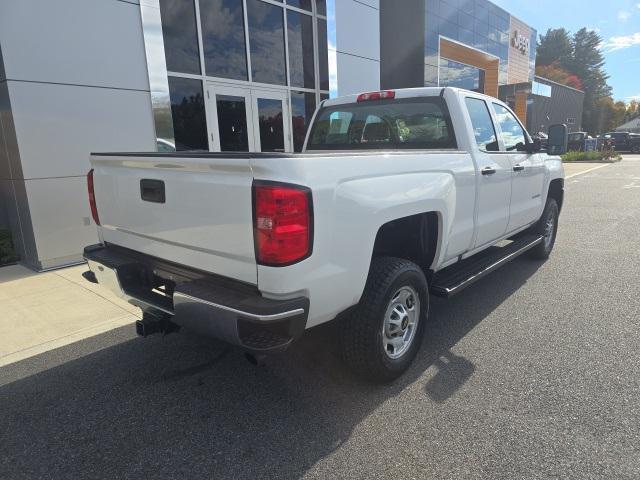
point(624, 141)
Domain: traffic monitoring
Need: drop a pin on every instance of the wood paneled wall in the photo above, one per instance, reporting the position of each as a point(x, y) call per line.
point(469, 56)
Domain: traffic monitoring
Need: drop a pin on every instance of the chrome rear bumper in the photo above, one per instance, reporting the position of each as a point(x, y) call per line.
point(212, 306)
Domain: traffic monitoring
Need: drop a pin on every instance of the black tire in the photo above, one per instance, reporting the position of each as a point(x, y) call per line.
point(361, 332)
point(635, 149)
point(550, 213)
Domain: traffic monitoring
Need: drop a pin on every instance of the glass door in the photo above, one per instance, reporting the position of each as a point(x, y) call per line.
point(243, 119)
point(231, 119)
point(271, 121)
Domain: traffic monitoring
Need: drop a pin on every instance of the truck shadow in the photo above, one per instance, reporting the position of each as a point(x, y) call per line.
point(181, 406)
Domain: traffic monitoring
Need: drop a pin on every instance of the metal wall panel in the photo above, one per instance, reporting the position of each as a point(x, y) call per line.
point(402, 48)
point(81, 42)
point(61, 219)
point(357, 74)
point(58, 126)
point(564, 103)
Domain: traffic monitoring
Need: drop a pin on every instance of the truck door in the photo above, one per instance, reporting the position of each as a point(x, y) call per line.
point(528, 170)
point(494, 175)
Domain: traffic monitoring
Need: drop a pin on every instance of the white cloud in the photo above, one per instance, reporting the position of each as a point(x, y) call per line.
point(623, 15)
point(622, 41)
point(634, 97)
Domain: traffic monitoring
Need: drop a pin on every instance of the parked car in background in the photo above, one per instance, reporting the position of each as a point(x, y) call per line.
point(624, 141)
point(576, 141)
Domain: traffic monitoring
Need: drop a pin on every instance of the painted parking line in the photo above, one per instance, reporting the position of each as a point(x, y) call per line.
point(588, 170)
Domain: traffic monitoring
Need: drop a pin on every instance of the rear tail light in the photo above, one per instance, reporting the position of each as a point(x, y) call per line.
point(282, 223)
point(382, 95)
point(92, 198)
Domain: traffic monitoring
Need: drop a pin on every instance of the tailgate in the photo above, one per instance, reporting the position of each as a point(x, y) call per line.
point(191, 210)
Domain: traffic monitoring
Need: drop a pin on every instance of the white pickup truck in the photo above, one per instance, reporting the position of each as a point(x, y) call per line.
point(397, 194)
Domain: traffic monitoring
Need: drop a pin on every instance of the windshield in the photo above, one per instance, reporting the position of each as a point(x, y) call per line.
point(419, 123)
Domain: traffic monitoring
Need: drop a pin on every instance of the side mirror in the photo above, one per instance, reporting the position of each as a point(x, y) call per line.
point(557, 144)
point(534, 147)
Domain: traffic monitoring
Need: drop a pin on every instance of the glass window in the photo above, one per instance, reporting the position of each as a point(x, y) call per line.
point(301, 67)
point(303, 104)
point(304, 4)
point(266, 39)
point(323, 55)
point(180, 37)
point(232, 123)
point(324, 96)
point(271, 125)
point(223, 38)
point(187, 110)
point(512, 133)
point(321, 7)
point(385, 124)
point(454, 74)
point(483, 128)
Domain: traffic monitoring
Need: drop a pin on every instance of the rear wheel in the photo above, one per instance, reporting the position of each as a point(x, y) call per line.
point(382, 335)
point(547, 226)
point(635, 149)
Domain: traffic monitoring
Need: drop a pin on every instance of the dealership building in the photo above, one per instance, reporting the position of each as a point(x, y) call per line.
point(81, 76)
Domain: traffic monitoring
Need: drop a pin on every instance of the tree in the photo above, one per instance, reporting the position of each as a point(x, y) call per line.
point(558, 74)
point(633, 110)
point(554, 46)
point(588, 64)
point(611, 114)
point(579, 55)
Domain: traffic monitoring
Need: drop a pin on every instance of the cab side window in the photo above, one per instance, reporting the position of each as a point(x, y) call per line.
point(512, 133)
point(483, 129)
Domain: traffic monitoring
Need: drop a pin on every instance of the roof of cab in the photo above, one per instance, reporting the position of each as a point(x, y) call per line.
point(399, 93)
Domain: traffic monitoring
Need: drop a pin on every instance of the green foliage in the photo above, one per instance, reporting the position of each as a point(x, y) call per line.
point(555, 46)
point(602, 156)
point(7, 254)
point(579, 55)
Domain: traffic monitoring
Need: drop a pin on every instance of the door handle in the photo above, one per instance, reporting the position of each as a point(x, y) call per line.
point(518, 168)
point(152, 190)
point(488, 171)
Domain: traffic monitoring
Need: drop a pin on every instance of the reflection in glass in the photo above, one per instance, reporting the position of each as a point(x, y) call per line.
point(300, 30)
point(157, 70)
point(271, 125)
point(483, 129)
point(303, 104)
point(323, 55)
point(266, 39)
point(187, 110)
point(454, 74)
point(512, 133)
point(321, 7)
point(232, 123)
point(303, 4)
point(223, 38)
point(180, 38)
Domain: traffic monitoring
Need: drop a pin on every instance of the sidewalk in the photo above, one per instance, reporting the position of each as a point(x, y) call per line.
point(43, 311)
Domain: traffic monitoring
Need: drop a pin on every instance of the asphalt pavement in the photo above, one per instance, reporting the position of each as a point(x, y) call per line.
point(533, 372)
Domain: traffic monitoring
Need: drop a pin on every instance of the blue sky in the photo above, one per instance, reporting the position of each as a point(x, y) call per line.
point(616, 21)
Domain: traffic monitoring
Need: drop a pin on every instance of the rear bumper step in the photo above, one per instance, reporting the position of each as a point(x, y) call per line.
point(452, 280)
point(218, 308)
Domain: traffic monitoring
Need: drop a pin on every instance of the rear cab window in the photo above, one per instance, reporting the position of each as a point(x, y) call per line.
point(405, 123)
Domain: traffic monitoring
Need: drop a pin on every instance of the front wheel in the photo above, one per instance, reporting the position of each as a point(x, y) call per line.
point(635, 149)
point(547, 227)
point(382, 335)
